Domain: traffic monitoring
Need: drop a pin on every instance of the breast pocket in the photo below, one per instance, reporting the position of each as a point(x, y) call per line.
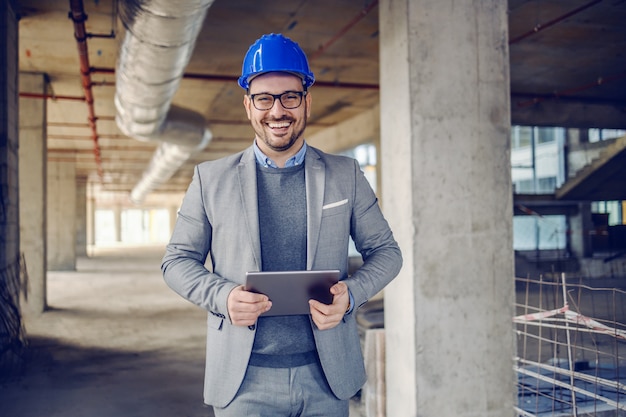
point(335, 208)
point(334, 230)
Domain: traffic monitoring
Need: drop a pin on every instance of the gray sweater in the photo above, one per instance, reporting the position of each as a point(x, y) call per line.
point(283, 341)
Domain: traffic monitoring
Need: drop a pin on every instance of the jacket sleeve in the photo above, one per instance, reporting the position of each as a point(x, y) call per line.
point(382, 258)
point(183, 264)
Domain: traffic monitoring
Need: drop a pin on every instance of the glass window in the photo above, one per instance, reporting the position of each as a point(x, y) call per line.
point(538, 167)
point(546, 185)
point(597, 135)
point(104, 226)
point(613, 208)
point(366, 155)
point(145, 226)
point(594, 135)
point(546, 134)
point(539, 232)
point(521, 136)
point(524, 186)
point(132, 226)
point(612, 133)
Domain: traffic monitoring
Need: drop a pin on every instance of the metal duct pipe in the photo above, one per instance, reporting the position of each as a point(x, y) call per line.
point(159, 40)
point(188, 135)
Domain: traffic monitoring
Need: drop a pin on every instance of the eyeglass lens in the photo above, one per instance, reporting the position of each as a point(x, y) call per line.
point(289, 100)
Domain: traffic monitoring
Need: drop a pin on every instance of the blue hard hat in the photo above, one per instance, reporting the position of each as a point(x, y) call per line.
point(275, 52)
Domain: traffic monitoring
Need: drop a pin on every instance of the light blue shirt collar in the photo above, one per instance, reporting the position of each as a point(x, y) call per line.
point(265, 161)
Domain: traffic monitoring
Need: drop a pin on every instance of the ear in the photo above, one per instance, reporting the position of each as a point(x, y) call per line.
point(307, 99)
point(247, 103)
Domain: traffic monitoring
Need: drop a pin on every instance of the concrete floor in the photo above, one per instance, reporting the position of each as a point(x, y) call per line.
point(115, 342)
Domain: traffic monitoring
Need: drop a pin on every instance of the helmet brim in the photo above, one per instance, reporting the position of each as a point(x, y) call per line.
point(307, 80)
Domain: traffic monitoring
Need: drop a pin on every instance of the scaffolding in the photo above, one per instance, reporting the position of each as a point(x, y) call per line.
point(13, 281)
point(571, 355)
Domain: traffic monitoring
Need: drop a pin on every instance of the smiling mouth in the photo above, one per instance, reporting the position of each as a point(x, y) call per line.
point(278, 125)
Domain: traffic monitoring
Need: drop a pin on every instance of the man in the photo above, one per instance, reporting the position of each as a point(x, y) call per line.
point(279, 205)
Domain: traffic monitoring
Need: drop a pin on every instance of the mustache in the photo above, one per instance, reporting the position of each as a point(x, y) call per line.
point(279, 119)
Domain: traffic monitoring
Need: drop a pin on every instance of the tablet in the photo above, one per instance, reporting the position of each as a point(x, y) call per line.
point(290, 291)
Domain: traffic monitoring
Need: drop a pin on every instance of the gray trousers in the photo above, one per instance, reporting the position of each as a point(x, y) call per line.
point(285, 392)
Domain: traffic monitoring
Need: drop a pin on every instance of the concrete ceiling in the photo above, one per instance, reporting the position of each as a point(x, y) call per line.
point(567, 65)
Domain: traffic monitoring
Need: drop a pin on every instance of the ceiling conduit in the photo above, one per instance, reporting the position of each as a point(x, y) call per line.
point(78, 16)
point(159, 40)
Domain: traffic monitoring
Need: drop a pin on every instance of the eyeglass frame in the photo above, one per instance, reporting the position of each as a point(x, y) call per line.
point(301, 94)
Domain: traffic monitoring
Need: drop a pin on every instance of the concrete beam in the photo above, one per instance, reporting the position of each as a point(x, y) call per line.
point(566, 112)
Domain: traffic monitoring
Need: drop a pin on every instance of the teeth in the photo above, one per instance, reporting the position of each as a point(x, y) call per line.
point(278, 125)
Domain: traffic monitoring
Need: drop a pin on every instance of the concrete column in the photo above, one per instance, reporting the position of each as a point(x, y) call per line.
point(61, 216)
point(12, 337)
point(33, 189)
point(117, 211)
point(581, 226)
point(581, 223)
point(445, 122)
point(91, 221)
point(81, 216)
point(9, 191)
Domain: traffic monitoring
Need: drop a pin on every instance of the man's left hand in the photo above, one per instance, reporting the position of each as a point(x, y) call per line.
point(327, 316)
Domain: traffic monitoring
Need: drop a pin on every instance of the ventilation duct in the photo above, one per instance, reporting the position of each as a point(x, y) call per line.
point(159, 40)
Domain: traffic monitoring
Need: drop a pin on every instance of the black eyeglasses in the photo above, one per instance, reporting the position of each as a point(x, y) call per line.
point(288, 99)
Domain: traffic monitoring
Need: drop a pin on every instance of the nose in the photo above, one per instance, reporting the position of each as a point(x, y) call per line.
point(277, 109)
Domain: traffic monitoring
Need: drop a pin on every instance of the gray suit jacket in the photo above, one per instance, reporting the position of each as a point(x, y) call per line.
point(219, 218)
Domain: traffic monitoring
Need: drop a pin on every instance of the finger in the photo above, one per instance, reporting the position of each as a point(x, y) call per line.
point(338, 288)
point(250, 302)
point(242, 295)
point(322, 308)
point(323, 321)
point(245, 307)
point(246, 317)
point(252, 307)
point(326, 312)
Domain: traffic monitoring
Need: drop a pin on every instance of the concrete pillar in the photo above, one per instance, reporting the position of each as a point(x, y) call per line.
point(91, 221)
point(81, 216)
point(12, 337)
point(373, 393)
point(61, 216)
point(33, 189)
point(445, 122)
point(9, 212)
point(117, 211)
point(581, 226)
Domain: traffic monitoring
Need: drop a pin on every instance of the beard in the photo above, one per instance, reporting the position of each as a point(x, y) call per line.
point(280, 143)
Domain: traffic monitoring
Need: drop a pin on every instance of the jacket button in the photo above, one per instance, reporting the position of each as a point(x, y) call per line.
point(252, 327)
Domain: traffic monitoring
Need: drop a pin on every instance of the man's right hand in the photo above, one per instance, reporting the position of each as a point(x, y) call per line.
point(245, 307)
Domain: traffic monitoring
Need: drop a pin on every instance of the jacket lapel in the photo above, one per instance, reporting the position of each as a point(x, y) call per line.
point(248, 191)
point(314, 173)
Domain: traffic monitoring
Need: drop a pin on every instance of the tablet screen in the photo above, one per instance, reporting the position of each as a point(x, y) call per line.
point(290, 291)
